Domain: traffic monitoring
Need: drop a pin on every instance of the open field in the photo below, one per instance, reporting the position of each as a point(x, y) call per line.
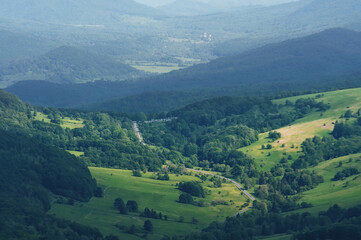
point(76, 153)
point(66, 122)
point(313, 124)
point(346, 193)
point(159, 195)
point(71, 123)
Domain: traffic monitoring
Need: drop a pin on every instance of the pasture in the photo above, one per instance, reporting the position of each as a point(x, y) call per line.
point(162, 196)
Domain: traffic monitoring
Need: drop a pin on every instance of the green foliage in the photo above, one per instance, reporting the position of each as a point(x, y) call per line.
point(148, 226)
point(137, 173)
point(185, 198)
point(132, 206)
point(274, 135)
point(192, 188)
point(347, 172)
point(344, 223)
point(120, 206)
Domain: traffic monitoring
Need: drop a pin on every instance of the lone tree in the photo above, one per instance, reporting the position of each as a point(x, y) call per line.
point(132, 206)
point(148, 226)
point(120, 206)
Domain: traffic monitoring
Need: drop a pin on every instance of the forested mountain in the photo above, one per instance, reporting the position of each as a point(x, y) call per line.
point(15, 45)
point(324, 57)
point(149, 102)
point(67, 65)
point(31, 174)
point(74, 12)
point(319, 61)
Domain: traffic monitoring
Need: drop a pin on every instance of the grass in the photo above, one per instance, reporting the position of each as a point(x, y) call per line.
point(345, 193)
point(76, 153)
point(313, 124)
point(161, 196)
point(71, 123)
point(66, 122)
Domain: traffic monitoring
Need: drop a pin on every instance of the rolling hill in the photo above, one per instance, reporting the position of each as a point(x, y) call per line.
point(318, 61)
point(281, 22)
point(92, 12)
point(67, 65)
point(16, 46)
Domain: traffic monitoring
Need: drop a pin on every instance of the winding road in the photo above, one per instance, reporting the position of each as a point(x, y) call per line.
point(137, 132)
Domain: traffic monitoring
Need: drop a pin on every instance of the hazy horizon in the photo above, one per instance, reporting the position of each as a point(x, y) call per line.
point(158, 3)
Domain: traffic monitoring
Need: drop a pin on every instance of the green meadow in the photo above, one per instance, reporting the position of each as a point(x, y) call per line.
point(65, 122)
point(162, 196)
point(347, 192)
point(314, 124)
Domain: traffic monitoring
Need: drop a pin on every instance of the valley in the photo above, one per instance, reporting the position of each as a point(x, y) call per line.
point(180, 120)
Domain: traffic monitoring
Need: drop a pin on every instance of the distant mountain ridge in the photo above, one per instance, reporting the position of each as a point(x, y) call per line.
point(298, 19)
point(67, 65)
point(318, 61)
point(74, 12)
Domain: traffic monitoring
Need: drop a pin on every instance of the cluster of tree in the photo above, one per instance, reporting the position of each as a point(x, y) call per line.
point(342, 223)
point(163, 177)
point(280, 193)
point(106, 141)
point(318, 149)
point(147, 213)
point(345, 173)
point(30, 174)
point(131, 206)
point(212, 129)
point(192, 188)
point(274, 135)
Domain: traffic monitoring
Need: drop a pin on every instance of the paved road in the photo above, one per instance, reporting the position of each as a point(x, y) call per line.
point(137, 132)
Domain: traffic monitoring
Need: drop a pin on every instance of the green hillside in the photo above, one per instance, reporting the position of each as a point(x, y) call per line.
point(344, 193)
point(162, 196)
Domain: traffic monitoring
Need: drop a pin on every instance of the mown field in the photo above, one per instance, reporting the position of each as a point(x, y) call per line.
point(162, 196)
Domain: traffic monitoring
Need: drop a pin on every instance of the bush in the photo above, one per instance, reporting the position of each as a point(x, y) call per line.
point(193, 188)
point(148, 226)
point(185, 198)
point(137, 173)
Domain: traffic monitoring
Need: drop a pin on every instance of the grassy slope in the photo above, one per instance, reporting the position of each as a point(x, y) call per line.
point(314, 124)
point(66, 122)
point(160, 195)
point(346, 192)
